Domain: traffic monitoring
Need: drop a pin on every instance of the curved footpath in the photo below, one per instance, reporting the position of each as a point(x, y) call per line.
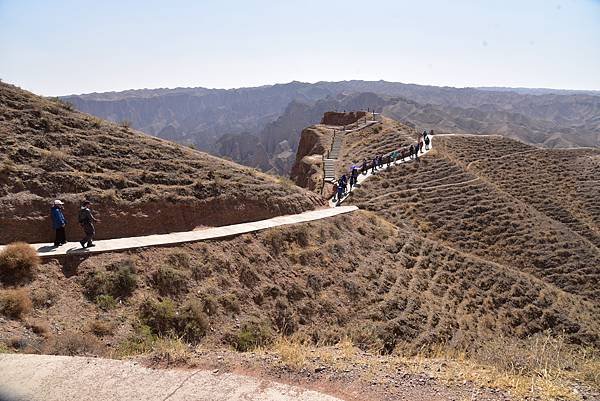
point(64, 378)
point(120, 244)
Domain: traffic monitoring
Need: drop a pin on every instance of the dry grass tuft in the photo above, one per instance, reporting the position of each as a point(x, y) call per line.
point(75, 343)
point(15, 303)
point(18, 262)
point(101, 328)
point(542, 366)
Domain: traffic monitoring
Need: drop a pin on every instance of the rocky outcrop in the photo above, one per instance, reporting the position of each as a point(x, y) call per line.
point(308, 168)
point(337, 118)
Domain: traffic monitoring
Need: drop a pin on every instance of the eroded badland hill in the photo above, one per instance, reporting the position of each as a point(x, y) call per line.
point(139, 184)
point(472, 274)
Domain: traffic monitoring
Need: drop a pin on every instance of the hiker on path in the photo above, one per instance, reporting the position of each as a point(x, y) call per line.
point(427, 143)
point(374, 165)
point(395, 156)
point(341, 187)
point(58, 223)
point(388, 160)
point(335, 190)
point(87, 220)
point(365, 166)
point(417, 152)
point(424, 134)
point(421, 145)
point(353, 177)
point(411, 150)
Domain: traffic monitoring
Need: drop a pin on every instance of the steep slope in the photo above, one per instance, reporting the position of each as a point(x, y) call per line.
point(139, 184)
point(321, 281)
point(525, 209)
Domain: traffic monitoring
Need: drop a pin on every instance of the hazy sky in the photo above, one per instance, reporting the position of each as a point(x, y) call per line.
point(58, 47)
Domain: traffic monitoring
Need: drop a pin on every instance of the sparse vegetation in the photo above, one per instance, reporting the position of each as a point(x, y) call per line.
point(134, 173)
point(170, 281)
point(125, 124)
point(251, 336)
point(74, 343)
point(165, 320)
point(100, 328)
point(119, 280)
point(18, 262)
point(15, 303)
point(105, 302)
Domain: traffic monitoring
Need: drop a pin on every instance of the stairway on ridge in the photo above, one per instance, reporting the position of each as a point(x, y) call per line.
point(329, 162)
point(336, 147)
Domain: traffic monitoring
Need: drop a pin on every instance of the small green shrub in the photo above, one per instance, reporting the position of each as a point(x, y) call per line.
point(192, 321)
point(179, 258)
point(230, 303)
point(200, 272)
point(164, 319)
point(106, 302)
point(252, 335)
point(158, 315)
point(170, 281)
point(119, 282)
point(17, 262)
point(140, 342)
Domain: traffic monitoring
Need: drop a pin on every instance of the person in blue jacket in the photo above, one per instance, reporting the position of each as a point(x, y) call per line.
point(58, 223)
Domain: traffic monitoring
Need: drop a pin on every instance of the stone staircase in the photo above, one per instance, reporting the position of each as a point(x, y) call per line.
point(334, 154)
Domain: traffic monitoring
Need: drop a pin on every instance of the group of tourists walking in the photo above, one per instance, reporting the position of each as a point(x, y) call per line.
point(344, 184)
point(85, 218)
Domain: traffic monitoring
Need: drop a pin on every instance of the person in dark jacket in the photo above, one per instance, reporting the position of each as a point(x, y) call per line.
point(353, 177)
point(365, 166)
point(87, 220)
point(411, 151)
point(58, 223)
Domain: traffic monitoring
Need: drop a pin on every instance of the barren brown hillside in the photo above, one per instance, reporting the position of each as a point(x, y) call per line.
point(387, 289)
point(350, 279)
point(526, 209)
point(138, 184)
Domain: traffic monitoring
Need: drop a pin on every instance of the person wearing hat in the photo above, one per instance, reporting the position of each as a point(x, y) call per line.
point(58, 223)
point(86, 219)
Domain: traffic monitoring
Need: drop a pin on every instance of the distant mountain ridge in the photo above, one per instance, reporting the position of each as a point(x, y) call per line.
point(214, 120)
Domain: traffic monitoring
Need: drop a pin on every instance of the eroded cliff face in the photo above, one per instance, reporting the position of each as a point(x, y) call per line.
point(337, 118)
point(308, 168)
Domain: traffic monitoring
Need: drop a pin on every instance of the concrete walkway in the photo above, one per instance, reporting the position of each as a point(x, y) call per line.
point(119, 244)
point(64, 378)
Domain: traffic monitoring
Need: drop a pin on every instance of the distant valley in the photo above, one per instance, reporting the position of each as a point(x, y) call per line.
point(260, 127)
